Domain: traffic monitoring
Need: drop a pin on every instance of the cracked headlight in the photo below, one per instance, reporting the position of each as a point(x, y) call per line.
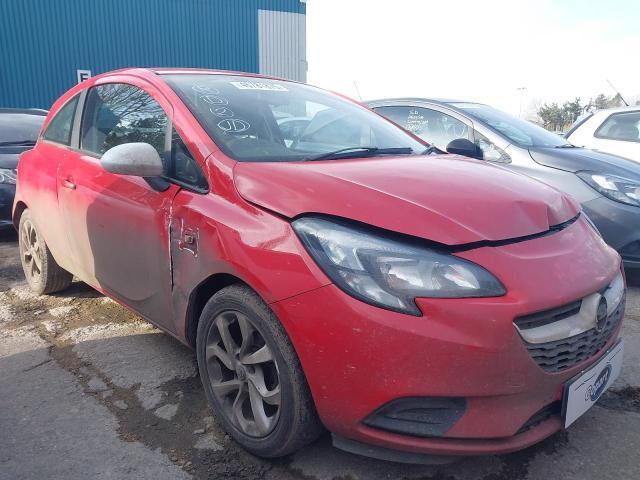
point(382, 270)
point(616, 188)
point(7, 176)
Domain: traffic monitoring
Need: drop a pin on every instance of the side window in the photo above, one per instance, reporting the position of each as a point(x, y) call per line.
point(621, 126)
point(118, 113)
point(490, 152)
point(432, 126)
point(59, 129)
point(183, 167)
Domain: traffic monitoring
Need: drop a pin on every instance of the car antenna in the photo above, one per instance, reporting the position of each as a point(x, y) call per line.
point(615, 90)
point(358, 90)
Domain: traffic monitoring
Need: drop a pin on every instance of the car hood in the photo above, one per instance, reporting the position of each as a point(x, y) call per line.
point(9, 155)
point(576, 159)
point(446, 199)
point(8, 160)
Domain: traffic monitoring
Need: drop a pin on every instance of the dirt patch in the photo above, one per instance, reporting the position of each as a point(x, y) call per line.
point(189, 437)
point(626, 399)
point(515, 466)
point(177, 437)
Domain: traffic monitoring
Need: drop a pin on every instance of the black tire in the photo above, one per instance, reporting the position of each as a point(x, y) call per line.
point(297, 421)
point(42, 272)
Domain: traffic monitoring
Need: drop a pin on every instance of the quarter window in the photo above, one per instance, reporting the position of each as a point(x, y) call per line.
point(59, 129)
point(434, 127)
point(621, 126)
point(118, 113)
point(490, 152)
point(183, 168)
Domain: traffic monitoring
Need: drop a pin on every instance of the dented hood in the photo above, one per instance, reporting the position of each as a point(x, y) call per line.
point(446, 199)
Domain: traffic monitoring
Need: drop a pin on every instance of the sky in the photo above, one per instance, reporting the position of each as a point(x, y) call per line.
point(480, 50)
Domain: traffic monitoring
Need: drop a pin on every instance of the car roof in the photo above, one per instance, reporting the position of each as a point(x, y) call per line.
point(23, 111)
point(607, 111)
point(441, 101)
point(159, 72)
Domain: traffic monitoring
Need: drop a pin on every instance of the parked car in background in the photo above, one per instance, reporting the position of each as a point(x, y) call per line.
point(607, 186)
point(19, 129)
point(410, 304)
point(612, 130)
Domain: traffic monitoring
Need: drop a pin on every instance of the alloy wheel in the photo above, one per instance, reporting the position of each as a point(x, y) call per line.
point(243, 374)
point(31, 252)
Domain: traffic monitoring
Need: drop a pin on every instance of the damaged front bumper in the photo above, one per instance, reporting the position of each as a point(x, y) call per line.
point(465, 357)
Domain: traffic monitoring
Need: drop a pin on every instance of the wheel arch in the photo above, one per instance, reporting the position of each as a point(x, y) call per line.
point(18, 210)
point(200, 296)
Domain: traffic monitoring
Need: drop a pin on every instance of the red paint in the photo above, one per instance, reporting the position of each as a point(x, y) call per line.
point(355, 356)
point(451, 202)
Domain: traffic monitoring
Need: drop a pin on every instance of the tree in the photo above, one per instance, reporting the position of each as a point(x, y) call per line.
point(572, 110)
point(552, 116)
point(616, 101)
point(598, 103)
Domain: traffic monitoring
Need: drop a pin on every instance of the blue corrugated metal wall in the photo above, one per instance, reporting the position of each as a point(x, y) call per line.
point(44, 42)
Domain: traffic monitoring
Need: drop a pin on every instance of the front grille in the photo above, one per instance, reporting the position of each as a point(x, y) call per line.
point(565, 353)
point(548, 316)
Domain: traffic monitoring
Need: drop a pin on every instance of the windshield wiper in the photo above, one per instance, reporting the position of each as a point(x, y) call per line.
point(565, 145)
point(432, 149)
point(19, 143)
point(363, 151)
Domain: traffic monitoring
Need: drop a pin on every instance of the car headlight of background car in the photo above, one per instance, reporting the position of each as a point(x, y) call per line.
point(616, 188)
point(387, 272)
point(7, 176)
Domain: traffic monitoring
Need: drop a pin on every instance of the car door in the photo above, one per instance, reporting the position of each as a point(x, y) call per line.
point(118, 225)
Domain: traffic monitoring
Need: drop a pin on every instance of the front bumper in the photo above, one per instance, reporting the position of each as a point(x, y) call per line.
point(7, 193)
point(619, 225)
point(357, 357)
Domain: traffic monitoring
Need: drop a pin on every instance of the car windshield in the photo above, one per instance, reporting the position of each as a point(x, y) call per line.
point(257, 119)
point(520, 132)
point(19, 128)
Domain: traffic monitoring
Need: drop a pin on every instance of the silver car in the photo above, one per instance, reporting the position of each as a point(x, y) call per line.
point(607, 186)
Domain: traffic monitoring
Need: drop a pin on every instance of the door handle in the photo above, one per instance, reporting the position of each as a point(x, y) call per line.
point(69, 184)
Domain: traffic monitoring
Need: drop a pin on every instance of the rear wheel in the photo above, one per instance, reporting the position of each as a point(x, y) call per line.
point(252, 376)
point(43, 274)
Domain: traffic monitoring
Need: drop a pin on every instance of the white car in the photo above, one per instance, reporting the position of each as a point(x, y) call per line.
point(613, 130)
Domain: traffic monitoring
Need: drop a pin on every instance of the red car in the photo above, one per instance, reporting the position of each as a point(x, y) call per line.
point(338, 274)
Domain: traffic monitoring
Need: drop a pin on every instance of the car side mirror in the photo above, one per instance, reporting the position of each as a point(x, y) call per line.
point(462, 146)
point(138, 159)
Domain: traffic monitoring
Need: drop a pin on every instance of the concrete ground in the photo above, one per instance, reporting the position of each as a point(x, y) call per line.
point(88, 390)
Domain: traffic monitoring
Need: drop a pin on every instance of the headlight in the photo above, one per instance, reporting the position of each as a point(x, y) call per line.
point(7, 176)
point(616, 188)
point(384, 271)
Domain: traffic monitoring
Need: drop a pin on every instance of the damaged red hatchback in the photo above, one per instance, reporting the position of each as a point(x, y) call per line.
point(327, 267)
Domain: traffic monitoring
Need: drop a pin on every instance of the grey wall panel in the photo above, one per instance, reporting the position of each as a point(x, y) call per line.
point(282, 44)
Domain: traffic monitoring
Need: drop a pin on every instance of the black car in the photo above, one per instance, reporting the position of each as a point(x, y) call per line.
point(19, 129)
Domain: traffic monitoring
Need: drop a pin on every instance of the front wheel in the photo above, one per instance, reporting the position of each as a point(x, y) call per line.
point(252, 376)
point(43, 274)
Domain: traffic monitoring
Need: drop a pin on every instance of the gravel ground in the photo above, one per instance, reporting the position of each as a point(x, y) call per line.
point(88, 390)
